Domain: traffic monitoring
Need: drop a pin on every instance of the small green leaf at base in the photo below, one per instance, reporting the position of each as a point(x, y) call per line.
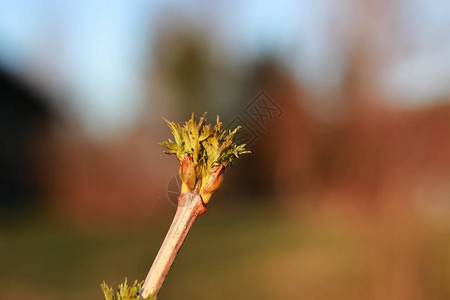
point(124, 291)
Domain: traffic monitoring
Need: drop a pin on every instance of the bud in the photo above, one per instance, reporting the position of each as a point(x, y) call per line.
point(187, 174)
point(213, 183)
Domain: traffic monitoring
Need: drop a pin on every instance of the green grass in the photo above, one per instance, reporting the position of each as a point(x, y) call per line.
point(231, 253)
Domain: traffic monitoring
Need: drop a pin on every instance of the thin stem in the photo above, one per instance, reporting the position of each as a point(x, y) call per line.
point(190, 206)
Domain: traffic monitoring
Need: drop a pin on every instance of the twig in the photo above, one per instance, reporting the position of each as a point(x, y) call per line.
point(190, 206)
point(203, 152)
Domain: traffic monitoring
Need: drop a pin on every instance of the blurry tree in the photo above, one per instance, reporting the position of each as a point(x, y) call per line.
point(191, 74)
point(373, 37)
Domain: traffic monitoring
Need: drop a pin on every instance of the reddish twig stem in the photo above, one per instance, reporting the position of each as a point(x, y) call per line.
point(190, 206)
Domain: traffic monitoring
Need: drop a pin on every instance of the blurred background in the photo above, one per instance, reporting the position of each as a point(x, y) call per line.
point(345, 105)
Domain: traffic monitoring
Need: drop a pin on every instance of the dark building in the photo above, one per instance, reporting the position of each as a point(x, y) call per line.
point(23, 115)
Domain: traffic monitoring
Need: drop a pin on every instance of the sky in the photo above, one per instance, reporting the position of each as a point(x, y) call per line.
point(93, 54)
